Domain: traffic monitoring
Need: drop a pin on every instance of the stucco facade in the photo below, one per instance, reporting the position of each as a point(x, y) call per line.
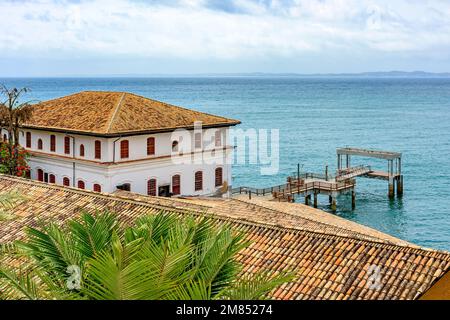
point(111, 170)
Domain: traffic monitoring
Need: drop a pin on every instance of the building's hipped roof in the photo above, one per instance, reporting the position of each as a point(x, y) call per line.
point(332, 260)
point(116, 113)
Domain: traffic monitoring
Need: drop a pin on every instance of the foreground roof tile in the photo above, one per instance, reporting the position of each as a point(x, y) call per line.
point(331, 259)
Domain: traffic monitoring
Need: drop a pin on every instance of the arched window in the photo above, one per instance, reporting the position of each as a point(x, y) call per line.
point(219, 177)
point(67, 145)
point(66, 182)
point(40, 173)
point(151, 146)
point(81, 184)
point(151, 187)
point(52, 143)
point(98, 149)
point(124, 149)
point(176, 179)
point(175, 146)
point(198, 180)
point(39, 143)
point(28, 142)
point(198, 140)
point(218, 138)
point(81, 150)
point(52, 178)
point(97, 187)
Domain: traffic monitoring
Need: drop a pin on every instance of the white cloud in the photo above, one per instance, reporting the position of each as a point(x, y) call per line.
point(194, 29)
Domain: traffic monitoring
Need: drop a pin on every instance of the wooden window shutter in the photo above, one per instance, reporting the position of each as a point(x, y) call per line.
point(66, 145)
point(198, 180)
point(124, 149)
point(52, 143)
point(40, 175)
point(28, 142)
point(98, 149)
point(176, 184)
point(151, 187)
point(150, 146)
point(81, 184)
point(219, 177)
point(66, 181)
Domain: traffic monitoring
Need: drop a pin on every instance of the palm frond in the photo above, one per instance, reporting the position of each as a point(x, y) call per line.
point(93, 234)
point(18, 285)
point(254, 287)
point(110, 276)
point(192, 290)
point(160, 257)
point(53, 249)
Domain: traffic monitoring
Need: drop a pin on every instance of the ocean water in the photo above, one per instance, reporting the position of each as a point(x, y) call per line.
point(315, 116)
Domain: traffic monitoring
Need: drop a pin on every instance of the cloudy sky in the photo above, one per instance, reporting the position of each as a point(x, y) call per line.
point(103, 37)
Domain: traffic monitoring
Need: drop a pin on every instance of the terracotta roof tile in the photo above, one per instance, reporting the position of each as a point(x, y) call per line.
point(330, 260)
point(115, 113)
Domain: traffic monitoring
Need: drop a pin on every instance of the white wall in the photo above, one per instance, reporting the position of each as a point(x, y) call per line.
point(137, 174)
point(87, 141)
point(110, 150)
point(137, 169)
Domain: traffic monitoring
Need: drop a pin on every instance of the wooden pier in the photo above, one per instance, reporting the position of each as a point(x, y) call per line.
point(394, 166)
point(310, 185)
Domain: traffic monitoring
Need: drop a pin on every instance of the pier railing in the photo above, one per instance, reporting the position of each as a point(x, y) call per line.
point(311, 175)
point(294, 187)
point(352, 172)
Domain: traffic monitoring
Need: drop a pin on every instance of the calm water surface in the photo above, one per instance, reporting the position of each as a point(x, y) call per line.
point(316, 115)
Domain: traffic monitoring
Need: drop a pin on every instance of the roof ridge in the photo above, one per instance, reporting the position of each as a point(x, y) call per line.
point(406, 243)
point(352, 232)
point(100, 113)
point(179, 107)
point(115, 111)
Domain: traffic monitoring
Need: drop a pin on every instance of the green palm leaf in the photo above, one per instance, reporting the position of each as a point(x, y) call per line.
point(160, 257)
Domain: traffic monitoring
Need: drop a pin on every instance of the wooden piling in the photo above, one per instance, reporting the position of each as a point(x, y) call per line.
point(391, 189)
point(333, 204)
point(400, 185)
point(315, 199)
point(307, 199)
point(353, 199)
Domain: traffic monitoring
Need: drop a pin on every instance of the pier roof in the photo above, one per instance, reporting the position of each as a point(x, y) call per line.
point(331, 259)
point(116, 113)
point(388, 155)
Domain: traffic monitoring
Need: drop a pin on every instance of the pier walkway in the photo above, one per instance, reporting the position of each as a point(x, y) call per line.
point(311, 185)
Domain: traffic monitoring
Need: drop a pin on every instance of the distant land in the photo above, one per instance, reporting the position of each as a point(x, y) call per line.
point(376, 74)
point(361, 74)
point(380, 74)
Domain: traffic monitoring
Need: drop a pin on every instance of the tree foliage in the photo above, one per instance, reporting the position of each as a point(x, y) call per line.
point(159, 257)
point(13, 114)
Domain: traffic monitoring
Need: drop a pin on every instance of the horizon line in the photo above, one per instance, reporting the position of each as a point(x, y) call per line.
point(392, 73)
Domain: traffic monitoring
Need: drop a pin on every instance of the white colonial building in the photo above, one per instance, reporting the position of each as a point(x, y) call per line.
point(104, 141)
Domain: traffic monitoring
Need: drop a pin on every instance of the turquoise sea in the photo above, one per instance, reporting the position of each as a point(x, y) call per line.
point(315, 115)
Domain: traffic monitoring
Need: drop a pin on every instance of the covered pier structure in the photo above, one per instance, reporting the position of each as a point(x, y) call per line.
point(311, 185)
point(394, 167)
